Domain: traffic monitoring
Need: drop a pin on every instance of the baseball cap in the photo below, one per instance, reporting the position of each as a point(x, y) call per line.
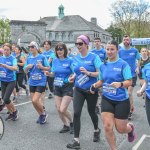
point(33, 43)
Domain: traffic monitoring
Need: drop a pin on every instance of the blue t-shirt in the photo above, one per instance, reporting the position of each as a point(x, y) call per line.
point(146, 76)
point(13, 54)
point(130, 56)
point(62, 69)
point(100, 52)
point(49, 54)
point(37, 77)
point(91, 62)
point(71, 55)
point(7, 75)
point(117, 71)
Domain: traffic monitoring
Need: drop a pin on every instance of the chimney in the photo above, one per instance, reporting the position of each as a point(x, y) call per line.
point(94, 20)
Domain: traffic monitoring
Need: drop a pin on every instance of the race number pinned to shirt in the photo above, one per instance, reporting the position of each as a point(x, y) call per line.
point(2, 74)
point(82, 79)
point(109, 89)
point(36, 76)
point(58, 81)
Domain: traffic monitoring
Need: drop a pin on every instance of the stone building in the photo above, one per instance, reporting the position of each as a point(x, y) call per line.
point(57, 28)
point(23, 32)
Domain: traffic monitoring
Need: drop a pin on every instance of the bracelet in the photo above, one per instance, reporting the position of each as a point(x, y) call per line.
point(121, 84)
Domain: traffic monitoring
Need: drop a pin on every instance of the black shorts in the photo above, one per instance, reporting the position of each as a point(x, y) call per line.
point(39, 89)
point(65, 90)
point(134, 79)
point(120, 109)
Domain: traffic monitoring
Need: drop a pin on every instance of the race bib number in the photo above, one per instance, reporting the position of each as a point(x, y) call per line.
point(58, 81)
point(2, 74)
point(36, 76)
point(82, 79)
point(109, 89)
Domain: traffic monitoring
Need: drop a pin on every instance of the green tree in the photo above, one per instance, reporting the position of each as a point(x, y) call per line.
point(4, 30)
point(116, 32)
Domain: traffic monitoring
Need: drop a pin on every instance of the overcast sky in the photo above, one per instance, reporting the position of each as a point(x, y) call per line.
point(34, 9)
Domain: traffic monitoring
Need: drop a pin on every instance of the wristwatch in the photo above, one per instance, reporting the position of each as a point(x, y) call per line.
point(121, 84)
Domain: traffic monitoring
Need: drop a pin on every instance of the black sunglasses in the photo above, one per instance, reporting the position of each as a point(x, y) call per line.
point(31, 46)
point(59, 49)
point(80, 44)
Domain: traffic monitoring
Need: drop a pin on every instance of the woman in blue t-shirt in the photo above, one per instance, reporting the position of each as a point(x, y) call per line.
point(37, 64)
point(146, 88)
point(114, 78)
point(63, 89)
point(50, 55)
point(8, 68)
point(85, 66)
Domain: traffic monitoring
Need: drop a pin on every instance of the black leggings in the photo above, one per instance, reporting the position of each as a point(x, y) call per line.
point(79, 97)
point(50, 81)
point(19, 81)
point(147, 105)
point(7, 89)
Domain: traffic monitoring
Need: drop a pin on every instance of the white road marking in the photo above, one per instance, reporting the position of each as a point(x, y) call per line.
point(21, 104)
point(136, 146)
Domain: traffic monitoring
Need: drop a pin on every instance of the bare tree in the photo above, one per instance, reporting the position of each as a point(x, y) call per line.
point(131, 16)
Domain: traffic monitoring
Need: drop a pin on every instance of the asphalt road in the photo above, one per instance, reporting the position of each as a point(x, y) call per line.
point(25, 134)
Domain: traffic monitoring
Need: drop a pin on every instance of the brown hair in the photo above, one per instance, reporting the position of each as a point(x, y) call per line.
point(8, 45)
point(64, 47)
point(47, 41)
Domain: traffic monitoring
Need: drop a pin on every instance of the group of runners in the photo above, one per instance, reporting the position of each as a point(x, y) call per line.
point(109, 73)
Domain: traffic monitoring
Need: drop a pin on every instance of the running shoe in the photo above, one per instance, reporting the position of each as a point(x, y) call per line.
point(74, 145)
point(64, 129)
point(10, 116)
point(43, 118)
point(15, 115)
point(50, 96)
point(96, 136)
point(131, 135)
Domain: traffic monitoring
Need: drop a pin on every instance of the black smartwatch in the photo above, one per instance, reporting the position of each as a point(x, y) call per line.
point(121, 84)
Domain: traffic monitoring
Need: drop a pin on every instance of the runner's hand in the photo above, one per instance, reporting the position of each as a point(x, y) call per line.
point(139, 93)
point(92, 89)
point(39, 65)
point(30, 66)
point(47, 73)
point(83, 70)
point(71, 78)
point(115, 84)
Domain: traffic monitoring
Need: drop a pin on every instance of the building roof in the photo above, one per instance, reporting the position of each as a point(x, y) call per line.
point(27, 22)
point(71, 23)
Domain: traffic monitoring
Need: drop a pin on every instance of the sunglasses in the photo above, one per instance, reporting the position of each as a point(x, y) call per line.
point(80, 44)
point(59, 49)
point(31, 46)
